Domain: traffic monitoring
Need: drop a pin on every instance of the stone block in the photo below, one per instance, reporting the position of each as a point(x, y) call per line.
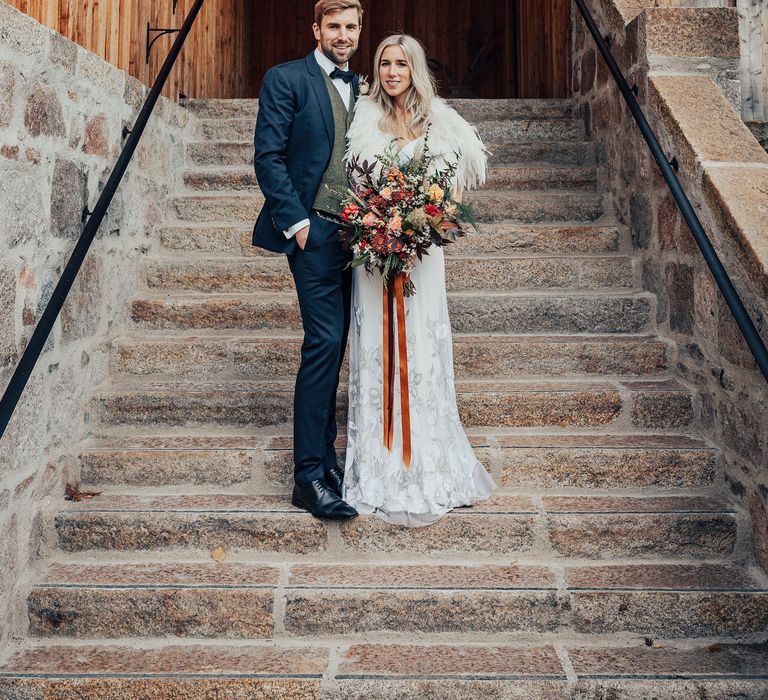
point(739, 198)
point(69, 195)
point(63, 52)
point(104, 79)
point(681, 293)
point(587, 73)
point(7, 316)
point(145, 468)
point(657, 409)
point(681, 102)
point(643, 535)
point(10, 152)
point(96, 140)
point(670, 614)
point(105, 613)
point(742, 431)
point(689, 32)
point(456, 533)
point(43, 114)
point(266, 532)
point(84, 307)
point(641, 220)
point(345, 612)
point(7, 102)
point(759, 517)
point(21, 35)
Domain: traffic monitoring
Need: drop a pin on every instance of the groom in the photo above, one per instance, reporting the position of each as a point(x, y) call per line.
point(305, 109)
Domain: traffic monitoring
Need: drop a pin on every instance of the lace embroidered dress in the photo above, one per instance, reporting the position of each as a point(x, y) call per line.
point(444, 471)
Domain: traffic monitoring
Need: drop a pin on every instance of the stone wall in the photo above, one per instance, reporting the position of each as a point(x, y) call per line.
point(684, 62)
point(62, 111)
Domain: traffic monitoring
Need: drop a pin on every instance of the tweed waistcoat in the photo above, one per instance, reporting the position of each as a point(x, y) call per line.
point(335, 179)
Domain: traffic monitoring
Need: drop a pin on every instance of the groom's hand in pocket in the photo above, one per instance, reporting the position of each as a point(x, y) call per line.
point(302, 236)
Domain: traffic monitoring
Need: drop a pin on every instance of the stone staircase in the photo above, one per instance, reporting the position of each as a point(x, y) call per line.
point(610, 564)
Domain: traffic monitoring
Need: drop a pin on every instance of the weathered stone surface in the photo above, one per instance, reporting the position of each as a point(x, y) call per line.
point(366, 661)
point(43, 115)
point(759, 515)
point(82, 311)
point(144, 468)
point(218, 208)
point(413, 576)
point(547, 467)
point(149, 612)
point(96, 140)
point(658, 577)
point(161, 688)
point(677, 689)
point(271, 660)
point(710, 32)
point(20, 34)
point(7, 84)
point(456, 688)
point(640, 660)
point(671, 614)
point(470, 313)
point(662, 409)
point(338, 612)
point(531, 207)
point(173, 357)
point(99, 74)
point(739, 197)
point(63, 52)
point(456, 532)
point(68, 198)
point(681, 292)
point(699, 535)
point(7, 316)
point(298, 534)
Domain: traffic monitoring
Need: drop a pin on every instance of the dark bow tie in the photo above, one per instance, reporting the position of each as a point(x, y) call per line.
point(346, 75)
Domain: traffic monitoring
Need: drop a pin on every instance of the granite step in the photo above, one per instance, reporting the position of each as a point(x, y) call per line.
point(489, 206)
point(503, 239)
point(242, 357)
point(517, 462)
point(629, 405)
point(507, 313)
point(524, 177)
point(386, 671)
point(340, 600)
point(584, 527)
point(500, 128)
point(473, 109)
point(236, 275)
point(231, 153)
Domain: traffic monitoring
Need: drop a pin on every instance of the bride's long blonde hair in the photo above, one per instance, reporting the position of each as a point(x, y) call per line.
point(422, 91)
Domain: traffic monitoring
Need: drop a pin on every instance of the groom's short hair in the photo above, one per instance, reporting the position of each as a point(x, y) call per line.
point(325, 7)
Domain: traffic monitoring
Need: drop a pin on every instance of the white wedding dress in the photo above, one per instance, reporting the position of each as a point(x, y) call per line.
point(444, 471)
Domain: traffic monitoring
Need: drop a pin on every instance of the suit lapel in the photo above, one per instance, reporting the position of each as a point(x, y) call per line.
point(355, 87)
point(321, 92)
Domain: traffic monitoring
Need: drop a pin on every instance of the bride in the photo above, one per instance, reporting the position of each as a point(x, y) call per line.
point(444, 472)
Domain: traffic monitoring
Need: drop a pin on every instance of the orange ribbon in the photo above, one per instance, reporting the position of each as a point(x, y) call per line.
point(393, 295)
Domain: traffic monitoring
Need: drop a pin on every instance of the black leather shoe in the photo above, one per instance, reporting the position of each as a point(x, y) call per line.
point(334, 477)
point(318, 498)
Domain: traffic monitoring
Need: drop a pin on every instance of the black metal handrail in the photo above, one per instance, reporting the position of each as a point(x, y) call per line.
point(40, 335)
point(732, 298)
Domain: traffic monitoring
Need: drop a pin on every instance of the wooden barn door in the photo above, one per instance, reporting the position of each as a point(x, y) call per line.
point(477, 48)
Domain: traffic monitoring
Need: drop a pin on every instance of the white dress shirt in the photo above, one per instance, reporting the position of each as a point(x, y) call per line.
point(344, 90)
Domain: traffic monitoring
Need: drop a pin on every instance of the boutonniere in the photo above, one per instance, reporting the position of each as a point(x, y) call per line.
point(363, 87)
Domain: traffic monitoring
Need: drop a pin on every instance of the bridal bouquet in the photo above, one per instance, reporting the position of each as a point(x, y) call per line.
point(391, 219)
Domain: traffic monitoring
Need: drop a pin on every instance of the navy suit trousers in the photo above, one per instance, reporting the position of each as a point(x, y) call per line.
point(324, 290)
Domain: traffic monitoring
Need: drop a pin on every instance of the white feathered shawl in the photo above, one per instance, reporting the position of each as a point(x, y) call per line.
point(449, 133)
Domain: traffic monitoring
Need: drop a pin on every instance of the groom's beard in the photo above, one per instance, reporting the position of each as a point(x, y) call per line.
point(331, 56)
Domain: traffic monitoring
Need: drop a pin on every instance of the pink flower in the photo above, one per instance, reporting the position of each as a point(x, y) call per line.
point(395, 223)
point(369, 220)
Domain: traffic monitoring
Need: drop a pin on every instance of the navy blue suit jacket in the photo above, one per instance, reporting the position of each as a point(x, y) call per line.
point(293, 144)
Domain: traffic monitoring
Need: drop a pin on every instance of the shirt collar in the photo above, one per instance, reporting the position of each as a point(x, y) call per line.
point(326, 63)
